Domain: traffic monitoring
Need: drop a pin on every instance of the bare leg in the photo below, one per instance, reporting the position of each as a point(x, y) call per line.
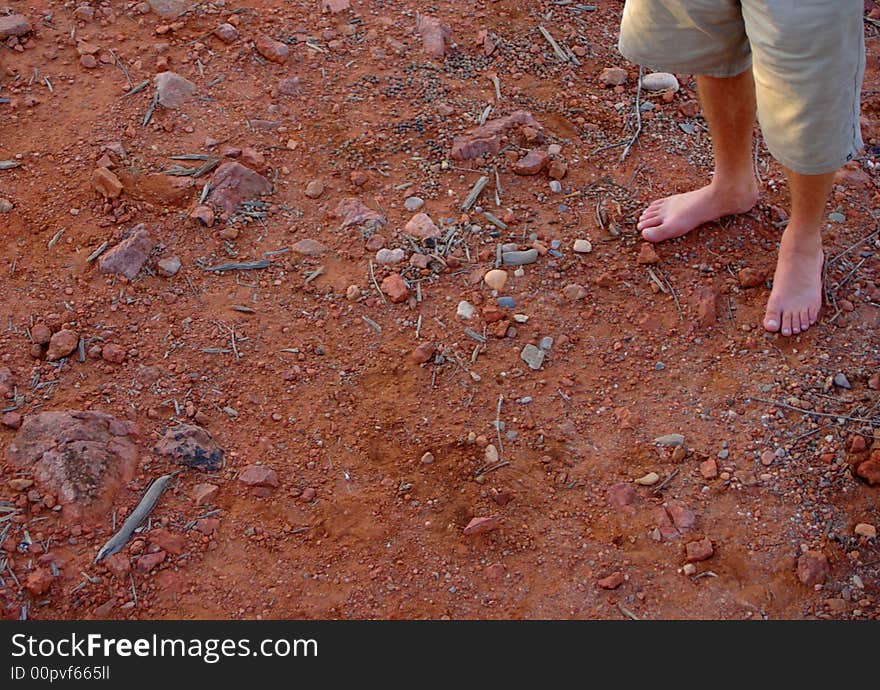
point(797, 284)
point(729, 108)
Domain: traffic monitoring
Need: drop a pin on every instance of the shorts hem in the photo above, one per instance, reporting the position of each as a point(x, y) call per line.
point(816, 169)
point(723, 72)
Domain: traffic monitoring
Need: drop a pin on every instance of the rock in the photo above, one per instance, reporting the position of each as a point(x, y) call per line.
point(252, 158)
point(309, 247)
point(13, 25)
point(495, 279)
point(707, 310)
point(648, 480)
point(583, 246)
point(841, 381)
point(39, 581)
point(532, 163)
point(106, 183)
point(465, 310)
point(119, 564)
point(226, 33)
point(613, 581)
point(19, 484)
point(289, 86)
point(433, 35)
point(162, 190)
point(88, 61)
point(168, 9)
point(272, 50)
point(670, 440)
point(647, 255)
point(169, 266)
point(358, 178)
point(41, 334)
point(701, 550)
point(481, 525)
point(63, 343)
point(557, 170)
point(79, 457)
point(486, 139)
point(660, 81)
point(574, 292)
point(192, 446)
point(11, 420)
point(174, 544)
point(709, 469)
point(314, 189)
point(532, 356)
point(259, 475)
point(352, 212)
point(388, 257)
point(413, 203)
point(204, 215)
point(519, 258)
point(5, 205)
point(395, 287)
point(335, 6)
point(865, 530)
point(622, 496)
point(869, 470)
point(613, 76)
point(113, 353)
point(174, 91)
point(812, 568)
point(421, 226)
point(233, 183)
point(7, 381)
point(750, 278)
point(145, 564)
point(420, 260)
point(682, 517)
point(423, 353)
point(853, 177)
point(128, 257)
point(555, 186)
point(204, 493)
point(490, 455)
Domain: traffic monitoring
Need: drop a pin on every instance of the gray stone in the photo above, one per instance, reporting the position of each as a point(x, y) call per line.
point(529, 256)
point(169, 266)
point(174, 90)
point(660, 81)
point(841, 381)
point(5, 206)
point(14, 25)
point(670, 440)
point(387, 257)
point(168, 9)
point(532, 356)
point(413, 204)
point(546, 343)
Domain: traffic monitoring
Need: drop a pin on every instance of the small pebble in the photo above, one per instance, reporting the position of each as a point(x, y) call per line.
point(496, 279)
point(465, 310)
point(583, 246)
point(413, 203)
point(555, 186)
point(648, 480)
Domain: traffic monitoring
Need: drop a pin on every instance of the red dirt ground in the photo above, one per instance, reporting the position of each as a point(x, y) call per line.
point(359, 526)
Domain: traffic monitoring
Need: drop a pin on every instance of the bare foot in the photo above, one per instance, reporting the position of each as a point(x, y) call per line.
point(797, 284)
point(674, 216)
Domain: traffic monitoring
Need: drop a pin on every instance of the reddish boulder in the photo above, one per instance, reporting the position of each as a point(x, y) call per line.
point(128, 257)
point(233, 183)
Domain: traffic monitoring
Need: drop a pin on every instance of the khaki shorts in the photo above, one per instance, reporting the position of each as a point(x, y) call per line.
point(807, 57)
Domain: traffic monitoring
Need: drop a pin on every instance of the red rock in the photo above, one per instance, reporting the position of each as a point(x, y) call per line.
point(558, 169)
point(204, 215)
point(647, 255)
point(664, 524)
point(272, 50)
point(853, 177)
point(621, 496)
point(207, 526)
point(486, 139)
point(352, 212)
point(119, 564)
point(168, 541)
point(253, 158)
point(308, 495)
point(358, 178)
point(421, 226)
point(41, 333)
point(63, 343)
point(395, 287)
point(39, 581)
point(113, 353)
point(14, 25)
point(174, 91)
point(192, 446)
point(420, 260)
point(433, 35)
point(709, 469)
point(88, 61)
point(309, 247)
point(156, 188)
point(574, 292)
point(226, 33)
point(613, 581)
point(869, 470)
point(750, 277)
point(233, 183)
point(289, 86)
point(259, 475)
point(129, 256)
point(481, 525)
point(204, 493)
point(707, 310)
point(148, 562)
point(699, 550)
point(812, 568)
point(11, 420)
point(423, 353)
point(107, 184)
point(532, 163)
point(682, 517)
point(613, 76)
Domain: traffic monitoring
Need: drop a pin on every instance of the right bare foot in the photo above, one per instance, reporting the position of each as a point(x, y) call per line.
point(674, 216)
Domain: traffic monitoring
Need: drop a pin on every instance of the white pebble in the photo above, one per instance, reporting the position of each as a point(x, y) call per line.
point(659, 81)
point(583, 246)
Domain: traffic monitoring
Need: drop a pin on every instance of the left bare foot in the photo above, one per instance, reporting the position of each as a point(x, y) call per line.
point(797, 284)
